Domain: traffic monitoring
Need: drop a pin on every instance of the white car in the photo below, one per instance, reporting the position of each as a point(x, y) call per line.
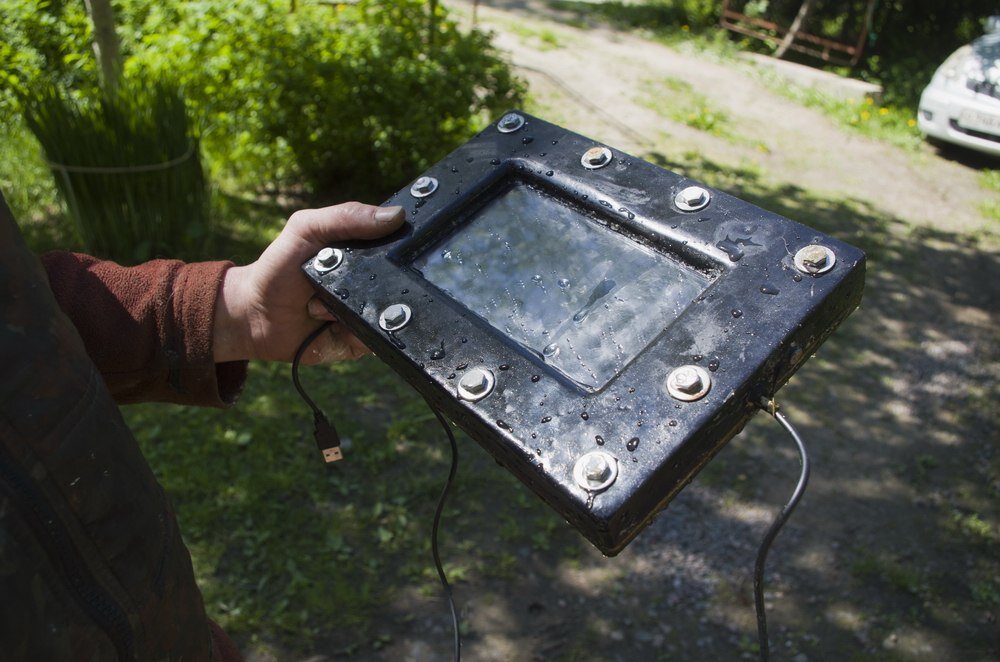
point(962, 103)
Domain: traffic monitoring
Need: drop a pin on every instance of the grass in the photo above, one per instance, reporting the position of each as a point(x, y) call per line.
point(288, 550)
point(891, 572)
point(990, 180)
point(677, 100)
point(892, 124)
point(547, 39)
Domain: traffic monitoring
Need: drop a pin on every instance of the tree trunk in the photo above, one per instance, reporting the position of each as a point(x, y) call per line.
point(106, 49)
point(800, 18)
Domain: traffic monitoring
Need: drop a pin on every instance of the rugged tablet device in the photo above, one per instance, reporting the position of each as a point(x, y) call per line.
point(598, 324)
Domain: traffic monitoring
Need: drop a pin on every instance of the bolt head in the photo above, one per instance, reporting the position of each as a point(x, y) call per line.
point(595, 157)
point(395, 317)
point(814, 259)
point(423, 187)
point(687, 380)
point(596, 468)
point(328, 259)
point(395, 314)
point(693, 198)
point(595, 471)
point(476, 384)
point(510, 122)
point(689, 383)
point(475, 381)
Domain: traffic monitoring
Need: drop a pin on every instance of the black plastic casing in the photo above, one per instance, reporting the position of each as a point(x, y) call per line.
point(754, 326)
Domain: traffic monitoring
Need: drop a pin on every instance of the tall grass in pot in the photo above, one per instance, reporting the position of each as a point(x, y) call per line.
point(128, 167)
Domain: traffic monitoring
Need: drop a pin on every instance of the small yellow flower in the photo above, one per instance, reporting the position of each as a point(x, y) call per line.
point(685, 28)
point(869, 101)
point(865, 115)
point(883, 111)
point(911, 123)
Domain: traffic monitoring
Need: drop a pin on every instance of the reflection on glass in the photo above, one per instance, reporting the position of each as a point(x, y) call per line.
point(584, 298)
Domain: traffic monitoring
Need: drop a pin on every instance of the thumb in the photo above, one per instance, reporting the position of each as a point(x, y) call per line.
point(350, 220)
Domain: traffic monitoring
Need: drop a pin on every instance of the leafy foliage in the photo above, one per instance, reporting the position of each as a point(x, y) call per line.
point(47, 41)
point(348, 100)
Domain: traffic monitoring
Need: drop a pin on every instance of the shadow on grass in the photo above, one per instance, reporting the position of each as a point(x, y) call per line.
point(890, 550)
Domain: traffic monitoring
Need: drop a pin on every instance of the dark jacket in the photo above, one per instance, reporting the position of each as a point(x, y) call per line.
point(92, 566)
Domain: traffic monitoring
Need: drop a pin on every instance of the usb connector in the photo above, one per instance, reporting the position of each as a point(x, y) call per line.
point(327, 439)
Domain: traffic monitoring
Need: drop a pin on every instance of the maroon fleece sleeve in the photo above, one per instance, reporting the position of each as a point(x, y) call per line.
point(148, 328)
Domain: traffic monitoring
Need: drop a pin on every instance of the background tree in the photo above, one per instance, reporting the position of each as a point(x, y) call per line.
point(106, 47)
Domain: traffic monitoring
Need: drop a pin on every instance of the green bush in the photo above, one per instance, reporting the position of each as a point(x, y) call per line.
point(350, 101)
point(345, 100)
point(128, 167)
point(44, 41)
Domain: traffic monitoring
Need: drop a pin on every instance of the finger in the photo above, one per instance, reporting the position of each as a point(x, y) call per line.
point(318, 311)
point(339, 344)
point(351, 220)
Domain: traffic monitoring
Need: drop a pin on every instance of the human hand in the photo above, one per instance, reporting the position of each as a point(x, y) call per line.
point(267, 308)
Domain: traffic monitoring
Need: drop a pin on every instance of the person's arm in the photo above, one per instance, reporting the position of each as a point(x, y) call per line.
point(175, 332)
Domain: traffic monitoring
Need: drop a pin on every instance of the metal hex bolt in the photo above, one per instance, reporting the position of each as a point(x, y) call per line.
point(510, 123)
point(815, 259)
point(328, 259)
point(596, 157)
point(689, 383)
point(595, 471)
point(692, 198)
point(423, 187)
point(395, 317)
point(596, 468)
point(686, 379)
point(476, 384)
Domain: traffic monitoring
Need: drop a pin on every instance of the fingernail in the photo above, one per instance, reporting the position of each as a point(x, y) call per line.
point(388, 214)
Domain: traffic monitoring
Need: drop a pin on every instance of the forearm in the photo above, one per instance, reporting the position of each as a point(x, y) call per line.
point(149, 329)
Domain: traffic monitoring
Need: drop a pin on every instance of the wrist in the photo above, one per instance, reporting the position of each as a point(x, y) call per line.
point(231, 334)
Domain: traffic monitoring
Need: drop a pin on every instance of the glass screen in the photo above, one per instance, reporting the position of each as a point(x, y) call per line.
point(584, 298)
